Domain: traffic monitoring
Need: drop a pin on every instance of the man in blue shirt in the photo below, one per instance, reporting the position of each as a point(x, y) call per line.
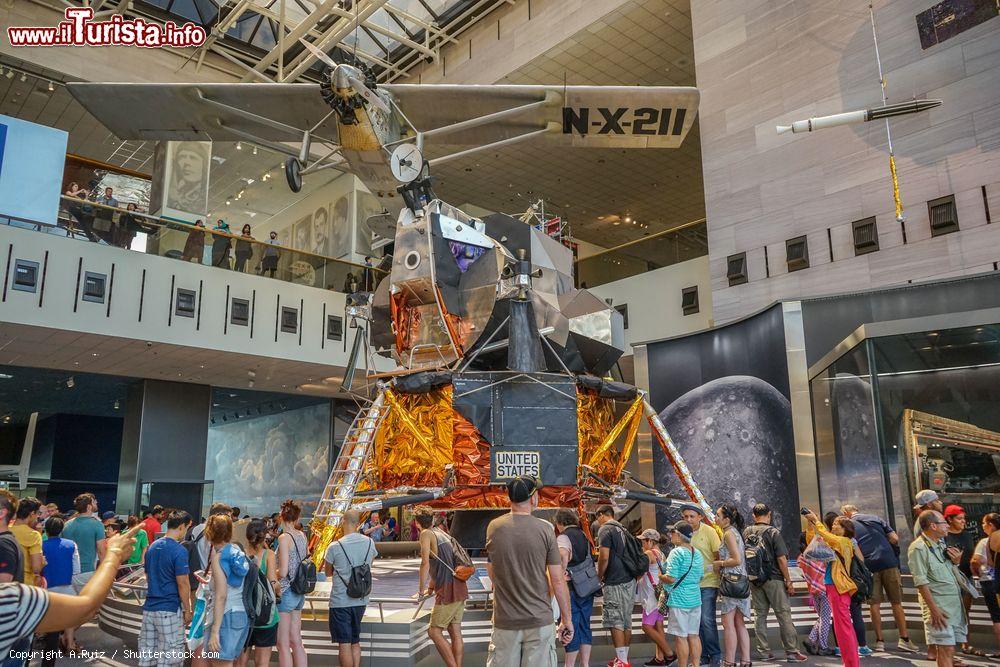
point(373, 527)
point(168, 596)
point(879, 545)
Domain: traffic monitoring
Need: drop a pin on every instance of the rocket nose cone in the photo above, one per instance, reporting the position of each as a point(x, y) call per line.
point(783, 128)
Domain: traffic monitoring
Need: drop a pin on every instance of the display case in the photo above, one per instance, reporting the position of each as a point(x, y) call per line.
point(894, 414)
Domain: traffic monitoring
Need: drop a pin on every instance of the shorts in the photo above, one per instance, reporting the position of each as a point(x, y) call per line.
point(619, 600)
point(684, 622)
point(264, 637)
point(444, 615)
point(345, 624)
point(652, 618)
point(990, 597)
point(232, 635)
point(161, 638)
point(513, 648)
point(957, 630)
point(290, 601)
point(889, 581)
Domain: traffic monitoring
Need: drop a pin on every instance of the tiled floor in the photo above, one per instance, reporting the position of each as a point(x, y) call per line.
point(107, 651)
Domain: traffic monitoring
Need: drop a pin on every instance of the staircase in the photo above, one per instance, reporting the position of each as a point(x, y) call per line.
point(350, 464)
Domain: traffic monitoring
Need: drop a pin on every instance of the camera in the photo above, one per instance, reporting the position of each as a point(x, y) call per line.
point(804, 511)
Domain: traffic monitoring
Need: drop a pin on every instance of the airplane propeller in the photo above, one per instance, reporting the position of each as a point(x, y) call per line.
point(356, 84)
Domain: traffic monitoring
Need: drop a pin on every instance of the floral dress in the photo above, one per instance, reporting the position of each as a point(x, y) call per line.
point(727, 605)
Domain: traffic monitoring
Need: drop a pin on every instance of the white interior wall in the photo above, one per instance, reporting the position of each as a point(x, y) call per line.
point(654, 301)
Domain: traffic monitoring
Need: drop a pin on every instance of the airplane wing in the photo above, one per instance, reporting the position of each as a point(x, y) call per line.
point(207, 111)
point(589, 116)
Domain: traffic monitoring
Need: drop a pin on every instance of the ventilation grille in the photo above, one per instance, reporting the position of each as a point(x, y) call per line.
point(239, 312)
point(689, 300)
point(865, 236)
point(334, 327)
point(289, 319)
point(25, 275)
point(943, 216)
point(94, 287)
point(797, 254)
point(185, 302)
point(736, 269)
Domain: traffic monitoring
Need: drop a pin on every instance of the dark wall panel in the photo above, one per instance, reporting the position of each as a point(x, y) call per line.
point(828, 321)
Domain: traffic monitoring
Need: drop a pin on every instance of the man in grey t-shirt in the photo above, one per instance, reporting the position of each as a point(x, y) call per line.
point(350, 551)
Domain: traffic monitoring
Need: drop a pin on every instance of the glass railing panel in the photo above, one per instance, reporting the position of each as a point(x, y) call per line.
point(131, 230)
point(648, 254)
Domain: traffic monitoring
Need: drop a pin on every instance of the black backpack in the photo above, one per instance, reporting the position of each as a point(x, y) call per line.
point(634, 559)
point(304, 581)
point(862, 578)
point(194, 558)
point(359, 584)
point(258, 595)
point(757, 556)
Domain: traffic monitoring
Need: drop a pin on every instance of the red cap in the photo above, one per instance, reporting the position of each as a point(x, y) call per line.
point(953, 510)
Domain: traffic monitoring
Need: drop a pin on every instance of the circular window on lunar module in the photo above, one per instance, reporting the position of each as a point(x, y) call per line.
point(412, 260)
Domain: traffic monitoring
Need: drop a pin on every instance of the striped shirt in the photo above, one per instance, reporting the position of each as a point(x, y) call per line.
point(21, 610)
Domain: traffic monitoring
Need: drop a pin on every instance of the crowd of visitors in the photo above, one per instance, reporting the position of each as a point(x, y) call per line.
point(231, 589)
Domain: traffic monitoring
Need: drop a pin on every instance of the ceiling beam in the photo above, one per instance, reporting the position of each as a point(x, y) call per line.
point(332, 38)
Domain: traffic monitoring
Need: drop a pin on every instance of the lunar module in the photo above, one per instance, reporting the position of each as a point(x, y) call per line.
point(502, 363)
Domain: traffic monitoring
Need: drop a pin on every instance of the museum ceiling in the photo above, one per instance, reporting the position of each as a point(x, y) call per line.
point(644, 42)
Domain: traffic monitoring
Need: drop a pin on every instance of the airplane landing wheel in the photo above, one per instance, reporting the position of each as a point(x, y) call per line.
point(293, 174)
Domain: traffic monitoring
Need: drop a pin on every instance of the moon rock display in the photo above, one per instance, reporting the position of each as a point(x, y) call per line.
point(858, 466)
point(735, 434)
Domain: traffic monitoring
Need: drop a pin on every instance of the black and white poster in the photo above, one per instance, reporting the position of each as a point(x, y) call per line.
point(723, 396)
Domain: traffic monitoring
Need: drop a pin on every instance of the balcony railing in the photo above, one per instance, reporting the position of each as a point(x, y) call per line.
point(130, 230)
point(656, 251)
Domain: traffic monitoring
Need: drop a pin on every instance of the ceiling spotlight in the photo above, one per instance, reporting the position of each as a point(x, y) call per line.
point(254, 150)
point(228, 202)
point(239, 146)
point(628, 218)
point(52, 87)
point(6, 419)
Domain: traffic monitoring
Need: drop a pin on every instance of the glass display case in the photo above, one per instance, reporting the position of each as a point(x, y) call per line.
point(900, 413)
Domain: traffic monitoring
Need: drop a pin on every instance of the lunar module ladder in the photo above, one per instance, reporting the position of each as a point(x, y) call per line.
point(349, 466)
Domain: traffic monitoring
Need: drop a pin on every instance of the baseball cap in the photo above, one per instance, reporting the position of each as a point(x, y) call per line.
point(107, 515)
point(926, 497)
point(520, 488)
point(953, 510)
point(649, 534)
point(684, 528)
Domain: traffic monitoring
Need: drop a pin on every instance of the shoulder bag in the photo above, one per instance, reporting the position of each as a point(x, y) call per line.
point(664, 601)
point(734, 585)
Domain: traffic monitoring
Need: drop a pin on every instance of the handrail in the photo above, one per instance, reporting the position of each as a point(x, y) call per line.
point(177, 225)
point(645, 239)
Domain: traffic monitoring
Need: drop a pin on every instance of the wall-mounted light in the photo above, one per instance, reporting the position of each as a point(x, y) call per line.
point(117, 404)
point(239, 146)
point(52, 87)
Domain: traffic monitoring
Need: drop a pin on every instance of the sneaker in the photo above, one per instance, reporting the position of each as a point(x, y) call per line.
point(864, 651)
point(836, 651)
point(908, 646)
point(829, 652)
point(880, 645)
point(795, 657)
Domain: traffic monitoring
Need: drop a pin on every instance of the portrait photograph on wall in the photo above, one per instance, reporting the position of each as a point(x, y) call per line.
point(723, 396)
point(256, 463)
point(187, 188)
